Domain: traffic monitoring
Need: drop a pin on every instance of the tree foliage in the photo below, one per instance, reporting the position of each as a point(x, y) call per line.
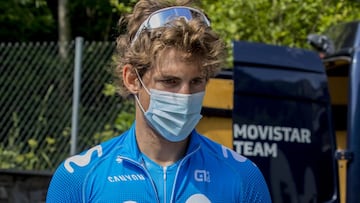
point(23, 20)
point(97, 19)
point(281, 22)
point(37, 20)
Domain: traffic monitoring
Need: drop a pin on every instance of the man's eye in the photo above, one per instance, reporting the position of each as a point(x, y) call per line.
point(169, 81)
point(198, 81)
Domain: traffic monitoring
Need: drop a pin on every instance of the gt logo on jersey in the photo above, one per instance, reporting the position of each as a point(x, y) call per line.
point(82, 160)
point(202, 176)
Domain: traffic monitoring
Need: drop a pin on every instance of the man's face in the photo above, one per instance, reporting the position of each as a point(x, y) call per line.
point(173, 75)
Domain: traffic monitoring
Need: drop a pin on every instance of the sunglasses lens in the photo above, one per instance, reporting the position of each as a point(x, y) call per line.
point(162, 17)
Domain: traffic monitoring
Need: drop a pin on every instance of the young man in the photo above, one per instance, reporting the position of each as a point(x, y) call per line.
point(164, 61)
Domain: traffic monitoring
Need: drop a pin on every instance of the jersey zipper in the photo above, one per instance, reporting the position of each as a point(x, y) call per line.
point(147, 174)
point(178, 169)
point(164, 175)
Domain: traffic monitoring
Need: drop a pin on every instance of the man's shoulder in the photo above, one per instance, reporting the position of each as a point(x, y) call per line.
point(226, 157)
point(87, 160)
point(78, 171)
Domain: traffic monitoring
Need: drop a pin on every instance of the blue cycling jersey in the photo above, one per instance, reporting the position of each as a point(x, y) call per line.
point(117, 172)
point(163, 177)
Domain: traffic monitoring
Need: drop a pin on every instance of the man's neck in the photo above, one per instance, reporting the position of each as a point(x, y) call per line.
point(158, 149)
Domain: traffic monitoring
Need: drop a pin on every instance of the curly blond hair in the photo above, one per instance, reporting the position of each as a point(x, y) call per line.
point(197, 41)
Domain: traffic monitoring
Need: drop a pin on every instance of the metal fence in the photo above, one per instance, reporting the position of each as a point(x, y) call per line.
point(37, 102)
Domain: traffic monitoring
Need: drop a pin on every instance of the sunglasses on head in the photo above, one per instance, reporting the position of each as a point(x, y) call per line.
point(163, 16)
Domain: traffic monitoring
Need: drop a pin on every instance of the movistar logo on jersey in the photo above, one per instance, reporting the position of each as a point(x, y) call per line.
point(82, 160)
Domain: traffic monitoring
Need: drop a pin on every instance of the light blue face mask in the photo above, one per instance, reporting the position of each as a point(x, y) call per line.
point(172, 115)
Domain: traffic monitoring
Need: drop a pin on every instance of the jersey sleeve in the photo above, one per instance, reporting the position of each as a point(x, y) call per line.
point(255, 188)
point(69, 179)
point(65, 187)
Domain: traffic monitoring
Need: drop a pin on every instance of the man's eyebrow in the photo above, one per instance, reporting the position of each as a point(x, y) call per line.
point(165, 76)
point(201, 77)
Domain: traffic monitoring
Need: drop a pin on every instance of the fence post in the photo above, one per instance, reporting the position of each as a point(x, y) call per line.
point(76, 94)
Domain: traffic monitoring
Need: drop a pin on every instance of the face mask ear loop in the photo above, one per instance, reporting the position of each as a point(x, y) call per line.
point(136, 95)
point(138, 101)
point(142, 84)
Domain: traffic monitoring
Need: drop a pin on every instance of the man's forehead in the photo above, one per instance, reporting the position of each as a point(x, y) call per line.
point(172, 55)
point(173, 72)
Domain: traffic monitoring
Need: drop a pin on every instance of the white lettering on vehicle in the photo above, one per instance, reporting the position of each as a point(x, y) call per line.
point(272, 133)
point(249, 148)
point(128, 177)
point(253, 140)
point(82, 160)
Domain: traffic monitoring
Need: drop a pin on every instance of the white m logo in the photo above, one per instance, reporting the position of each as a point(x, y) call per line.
point(82, 160)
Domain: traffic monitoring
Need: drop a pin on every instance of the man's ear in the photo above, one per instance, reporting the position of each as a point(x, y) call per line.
point(130, 78)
